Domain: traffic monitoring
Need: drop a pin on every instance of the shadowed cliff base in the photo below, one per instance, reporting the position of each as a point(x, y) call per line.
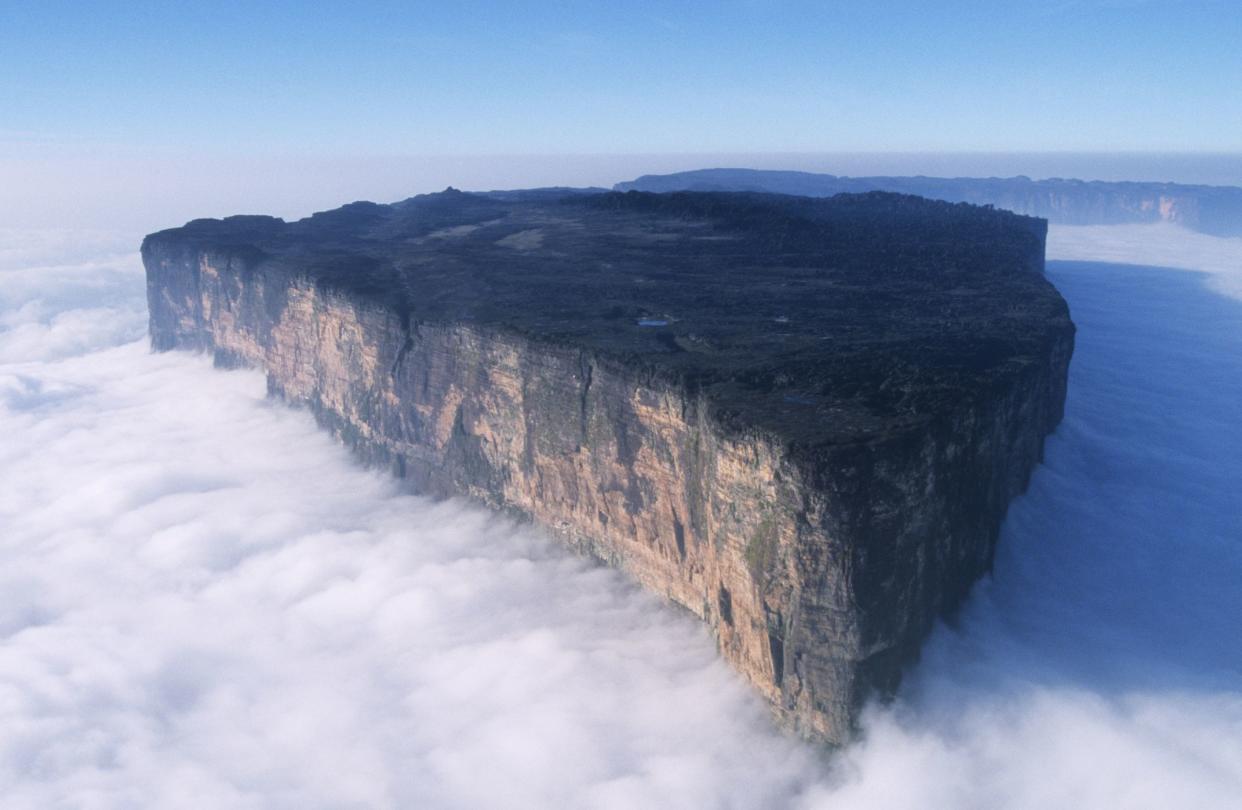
point(801, 419)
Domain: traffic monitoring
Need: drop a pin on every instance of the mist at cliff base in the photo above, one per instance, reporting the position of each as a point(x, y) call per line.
point(204, 602)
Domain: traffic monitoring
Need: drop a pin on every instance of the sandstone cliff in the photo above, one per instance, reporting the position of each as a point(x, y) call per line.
point(1215, 210)
point(801, 420)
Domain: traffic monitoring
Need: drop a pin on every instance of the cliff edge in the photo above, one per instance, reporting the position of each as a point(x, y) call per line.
point(800, 419)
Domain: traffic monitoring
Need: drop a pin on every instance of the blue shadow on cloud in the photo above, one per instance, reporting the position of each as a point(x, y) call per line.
point(1121, 568)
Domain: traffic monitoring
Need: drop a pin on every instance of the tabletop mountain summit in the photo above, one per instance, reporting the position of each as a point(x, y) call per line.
point(800, 419)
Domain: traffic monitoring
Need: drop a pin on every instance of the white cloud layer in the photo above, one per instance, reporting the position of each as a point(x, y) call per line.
point(204, 603)
point(1163, 245)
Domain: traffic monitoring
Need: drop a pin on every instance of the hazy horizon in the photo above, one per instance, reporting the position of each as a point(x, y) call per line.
point(58, 187)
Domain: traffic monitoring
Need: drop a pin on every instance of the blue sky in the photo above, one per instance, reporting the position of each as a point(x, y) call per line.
point(581, 77)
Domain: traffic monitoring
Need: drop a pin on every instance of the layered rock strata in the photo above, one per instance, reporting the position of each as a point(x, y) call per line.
point(801, 420)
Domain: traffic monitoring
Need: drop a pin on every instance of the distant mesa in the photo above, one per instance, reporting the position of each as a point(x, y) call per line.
point(1215, 210)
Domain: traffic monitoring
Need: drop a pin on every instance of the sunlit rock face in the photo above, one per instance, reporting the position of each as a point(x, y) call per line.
point(801, 420)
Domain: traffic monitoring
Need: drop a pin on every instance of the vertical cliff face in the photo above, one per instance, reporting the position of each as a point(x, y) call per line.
point(818, 565)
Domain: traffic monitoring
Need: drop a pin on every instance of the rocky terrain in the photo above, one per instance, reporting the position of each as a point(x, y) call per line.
point(1215, 210)
point(802, 420)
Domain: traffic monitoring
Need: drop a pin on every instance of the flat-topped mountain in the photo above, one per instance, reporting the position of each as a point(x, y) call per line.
point(1214, 210)
point(801, 419)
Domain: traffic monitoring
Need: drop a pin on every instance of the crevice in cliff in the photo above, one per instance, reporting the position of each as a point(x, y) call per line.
point(679, 535)
point(588, 374)
point(407, 343)
point(725, 601)
point(776, 646)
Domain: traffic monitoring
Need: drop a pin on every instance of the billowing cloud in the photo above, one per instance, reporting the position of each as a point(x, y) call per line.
point(205, 603)
point(64, 293)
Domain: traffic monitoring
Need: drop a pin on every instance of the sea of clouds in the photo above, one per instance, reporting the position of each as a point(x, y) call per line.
point(205, 603)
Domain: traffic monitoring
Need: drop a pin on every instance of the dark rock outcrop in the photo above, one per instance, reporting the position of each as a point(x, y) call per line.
point(1214, 210)
point(803, 420)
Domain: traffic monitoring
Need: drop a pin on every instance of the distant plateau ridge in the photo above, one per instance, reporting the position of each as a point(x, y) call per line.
point(1215, 210)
